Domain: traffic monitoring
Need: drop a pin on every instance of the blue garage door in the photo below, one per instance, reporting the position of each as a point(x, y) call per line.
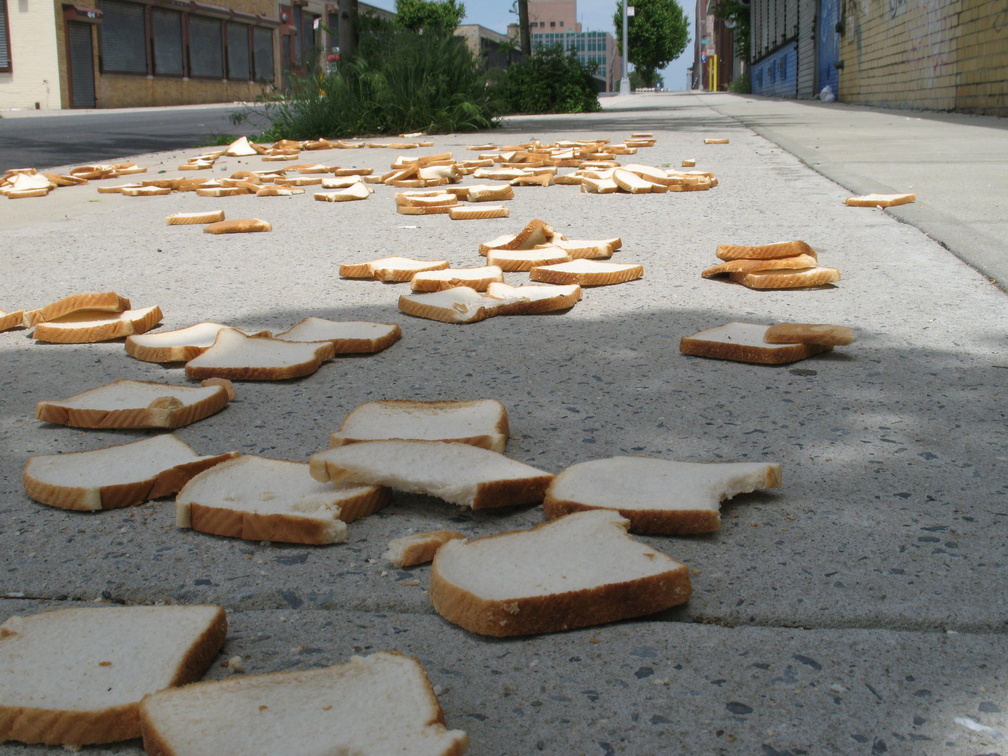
point(828, 46)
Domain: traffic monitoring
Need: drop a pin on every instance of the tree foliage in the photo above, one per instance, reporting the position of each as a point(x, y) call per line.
point(416, 15)
point(657, 33)
point(551, 81)
point(735, 14)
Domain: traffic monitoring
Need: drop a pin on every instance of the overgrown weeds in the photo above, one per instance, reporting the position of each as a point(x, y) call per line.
point(551, 81)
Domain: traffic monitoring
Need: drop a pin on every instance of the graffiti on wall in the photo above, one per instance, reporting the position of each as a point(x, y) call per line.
point(930, 39)
point(896, 7)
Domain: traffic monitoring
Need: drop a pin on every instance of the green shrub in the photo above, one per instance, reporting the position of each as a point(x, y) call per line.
point(551, 81)
point(399, 81)
point(741, 84)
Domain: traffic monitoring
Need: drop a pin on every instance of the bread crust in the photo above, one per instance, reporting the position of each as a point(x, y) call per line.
point(809, 333)
point(645, 521)
point(237, 226)
point(107, 301)
point(604, 274)
point(127, 323)
point(786, 278)
point(764, 251)
point(706, 344)
point(743, 264)
point(310, 363)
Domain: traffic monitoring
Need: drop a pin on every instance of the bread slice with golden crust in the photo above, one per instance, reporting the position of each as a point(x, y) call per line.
point(419, 548)
point(76, 676)
point(535, 299)
point(9, 320)
point(391, 269)
point(786, 278)
point(458, 473)
point(105, 301)
point(657, 496)
point(521, 260)
point(478, 422)
point(536, 232)
point(262, 499)
point(880, 200)
point(136, 404)
point(745, 342)
point(764, 251)
point(587, 273)
point(810, 333)
point(347, 337)
point(372, 706)
point(238, 357)
point(579, 570)
point(746, 265)
point(475, 278)
point(460, 304)
point(88, 326)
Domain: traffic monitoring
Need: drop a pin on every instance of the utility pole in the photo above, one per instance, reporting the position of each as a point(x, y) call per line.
point(525, 38)
point(347, 30)
point(624, 85)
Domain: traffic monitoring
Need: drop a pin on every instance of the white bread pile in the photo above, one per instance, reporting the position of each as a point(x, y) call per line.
point(781, 265)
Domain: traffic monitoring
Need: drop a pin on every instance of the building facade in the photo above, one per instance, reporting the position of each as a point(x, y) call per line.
point(714, 62)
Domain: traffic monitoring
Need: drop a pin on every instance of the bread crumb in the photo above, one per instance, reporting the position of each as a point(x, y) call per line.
point(327, 708)
point(104, 664)
point(263, 707)
point(235, 664)
point(661, 681)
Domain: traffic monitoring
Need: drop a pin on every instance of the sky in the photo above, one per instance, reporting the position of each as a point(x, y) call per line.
point(594, 15)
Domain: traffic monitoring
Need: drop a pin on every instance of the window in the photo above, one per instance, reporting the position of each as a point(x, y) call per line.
point(561, 24)
point(552, 24)
point(206, 58)
point(166, 32)
point(123, 38)
point(5, 61)
point(262, 48)
point(239, 63)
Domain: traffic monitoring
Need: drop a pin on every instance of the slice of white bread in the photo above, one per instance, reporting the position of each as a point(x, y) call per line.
point(745, 342)
point(809, 333)
point(880, 200)
point(764, 251)
point(587, 273)
point(115, 476)
point(657, 495)
point(261, 499)
point(576, 571)
point(347, 337)
point(786, 278)
point(9, 320)
point(536, 232)
point(482, 212)
point(136, 404)
point(180, 345)
point(745, 265)
point(458, 473)
point(419, 548)
point(107, 301)
point(478, 422)
point(390, 269)
point(596, 249)
point(378, 705)
point(87, 326)
point(520, 260)
point(535, 299)
point(238, 226)
point(458, 305)
point(475, 278)
point(238, 357)
point(76, 676)
point(191, 219)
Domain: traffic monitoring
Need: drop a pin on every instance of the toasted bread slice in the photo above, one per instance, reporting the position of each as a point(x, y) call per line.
point(115, 476)
point(880, 200)
point(809, 333)
point(76, 676)
point(261, 499)
point(786, 278)
point(419, 548)
point(657, 495)
point(461, 304)
point(107, 301)
point(746, 265)
point(347, 337)
point(577, 571)
point(238, 357)
point(136, 404)
point(478, 422)
point(458, 473)
point(587, 273)
point(534, 300)
point(87, 326)
point(381, 704)
point(475, 278)
point(764, 251)
point(745, 342)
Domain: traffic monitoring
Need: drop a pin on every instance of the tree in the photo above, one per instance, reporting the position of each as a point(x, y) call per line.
point(523, 28)
point(417, 15)
point(735, 14)
point(657, 33)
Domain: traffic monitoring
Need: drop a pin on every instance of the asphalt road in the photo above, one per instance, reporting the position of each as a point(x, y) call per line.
point(50, 139)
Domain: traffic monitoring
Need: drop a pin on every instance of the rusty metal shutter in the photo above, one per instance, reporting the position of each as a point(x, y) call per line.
point(262, 50)
point(238, 58)
point(206, 56)
point(169, 56)
point(82, 85)
point(806, 49)
point(123, 38)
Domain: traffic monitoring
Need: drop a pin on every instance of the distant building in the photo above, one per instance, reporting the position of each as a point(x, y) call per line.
point(493, 47)
point(714, 63)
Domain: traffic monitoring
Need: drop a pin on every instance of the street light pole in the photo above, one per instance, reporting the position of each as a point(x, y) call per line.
point(624, 85)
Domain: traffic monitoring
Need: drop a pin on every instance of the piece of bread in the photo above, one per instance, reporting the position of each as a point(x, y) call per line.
point(745, 342)
point(189, 219)
point(460, 304)
point(136, 404)
point(419, 548)
point(88, 326)
point(764, 251)
point(489, 193)
point(448, 278)
point(261, 499)
point(115, 476)
point(718, 140)
point(382, 704)
point(809, 333)
point(591, 249)
point(347, 337)
point(534, 299)
point(657, 496)
point(237, 226)
point(521, 260)
point(880, 200)
point(106, 301)
point(428, 199)
point(9, 320)
point(478, 422)
point(587, 273)
point(238, 357)
point(356, 191)
point(536, 232)
point(180, 345)
point(76, 676)
point(576, 571)
point(458, 473)
point(391, 269)
point(478, 213)
point(786, 278)
point(746, 265)
point(631, 182)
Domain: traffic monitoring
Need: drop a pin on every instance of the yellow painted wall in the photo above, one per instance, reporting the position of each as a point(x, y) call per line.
point(34, 77)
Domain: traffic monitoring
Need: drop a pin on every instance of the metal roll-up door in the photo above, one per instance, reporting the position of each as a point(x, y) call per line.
point(806, 49)
point(262, 50)
point(206, 53)
point(123, 36)
point(5, 61)
point(238, 58)
point(169, 54)
point(82, 83)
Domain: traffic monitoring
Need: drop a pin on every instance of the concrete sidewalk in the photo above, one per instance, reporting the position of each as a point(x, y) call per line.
point(857, 609)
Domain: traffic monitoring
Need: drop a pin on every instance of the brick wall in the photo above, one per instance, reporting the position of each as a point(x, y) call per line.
point(34, 76)
point(930, 54)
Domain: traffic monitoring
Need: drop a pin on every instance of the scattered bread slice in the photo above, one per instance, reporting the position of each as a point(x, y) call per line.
point(115, 476)
point(809, 333)
point(489, 193)
point(520, 260)
point(746, 265)
point(478, 422)
point(189, 219)
point(420, 548)
point(9, 320)
point(390, 269)
point(475, 278)
point(591, 249)
point(587, 273)
point(458, 473)
point(536, 232)
point(534, 300)
point(764, 251)
point(136, 404)
point(238, 357)
point(180, 345)
point(745, 342)
point(347, 337)
point(461, 304)
point(880, 200)
point(261, 499)
point(87, 326)
point(107, 301)
point(238, 226)
point(657, 495)
point(356, 191)
point(786, 278)
point(576, 571)
point(478, 213)
point(380, 704)
point(76, 676)
point(631, 182)
point(718, 140)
